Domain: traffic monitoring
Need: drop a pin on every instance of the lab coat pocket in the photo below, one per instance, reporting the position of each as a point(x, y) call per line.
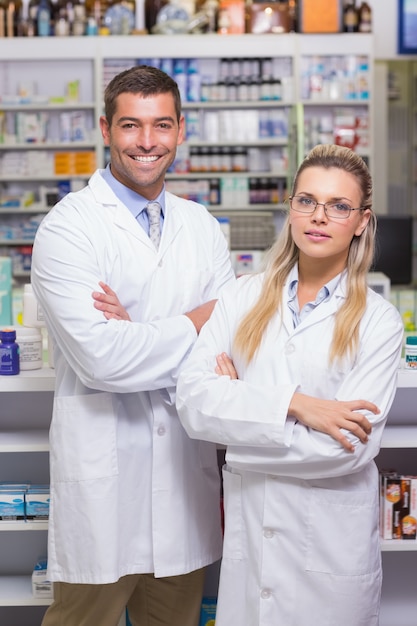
point(83, 438)
point(197, 287)
point(233, 530)
point(342, 532)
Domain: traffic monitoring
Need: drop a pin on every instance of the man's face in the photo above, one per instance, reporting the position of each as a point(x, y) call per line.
point(143, 139)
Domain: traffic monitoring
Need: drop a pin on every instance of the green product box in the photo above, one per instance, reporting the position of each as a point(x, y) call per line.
point(5, 291)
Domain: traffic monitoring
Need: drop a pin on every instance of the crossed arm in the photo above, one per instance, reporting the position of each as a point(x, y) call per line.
point(326, 416)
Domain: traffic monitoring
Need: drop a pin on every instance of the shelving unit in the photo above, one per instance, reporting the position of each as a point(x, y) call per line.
point(27, 404)
point(52, 64)
point(399, 443)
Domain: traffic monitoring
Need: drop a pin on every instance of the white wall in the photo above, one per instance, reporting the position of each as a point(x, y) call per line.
point(385, 27)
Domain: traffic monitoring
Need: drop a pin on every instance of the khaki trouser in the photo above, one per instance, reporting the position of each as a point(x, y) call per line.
point(171, 601)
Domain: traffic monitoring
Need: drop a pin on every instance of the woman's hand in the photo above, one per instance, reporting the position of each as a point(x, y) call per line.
point(109, 304)
point(330, 416)
point(225, 366)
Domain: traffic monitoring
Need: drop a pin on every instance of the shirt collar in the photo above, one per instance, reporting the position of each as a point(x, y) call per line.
point(132, 200)
point(329, 288)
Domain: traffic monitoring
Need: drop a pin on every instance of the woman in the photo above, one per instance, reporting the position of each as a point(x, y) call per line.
point(295, 373)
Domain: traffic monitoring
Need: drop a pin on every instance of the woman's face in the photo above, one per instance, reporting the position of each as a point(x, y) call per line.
point(318, 236)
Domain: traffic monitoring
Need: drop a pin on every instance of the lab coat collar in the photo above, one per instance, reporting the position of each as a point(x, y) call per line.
point(325, 309)
point(124, 219)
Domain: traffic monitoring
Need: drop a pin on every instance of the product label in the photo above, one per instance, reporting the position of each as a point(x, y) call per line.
point(411, 361)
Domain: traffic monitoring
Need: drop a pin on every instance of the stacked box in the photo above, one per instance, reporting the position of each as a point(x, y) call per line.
point(398, 506)
point(41, 586)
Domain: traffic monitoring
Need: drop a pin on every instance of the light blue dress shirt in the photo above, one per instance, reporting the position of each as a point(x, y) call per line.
point(324, 294)
point(133, 201)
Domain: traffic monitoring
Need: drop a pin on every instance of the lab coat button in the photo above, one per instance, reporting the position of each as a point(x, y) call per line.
point(289, 348)
point(265, 594)
point(268, 533)
point(161, 430)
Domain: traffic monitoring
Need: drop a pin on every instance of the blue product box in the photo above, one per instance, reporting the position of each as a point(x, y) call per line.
point(12, 504)
point(37, 499)
point(208, 611)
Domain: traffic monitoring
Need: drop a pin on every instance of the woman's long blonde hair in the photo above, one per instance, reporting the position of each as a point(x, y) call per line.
point(284, 254)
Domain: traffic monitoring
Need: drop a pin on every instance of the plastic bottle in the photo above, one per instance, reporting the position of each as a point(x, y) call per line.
point(350, 17)
point(9, 353)
point(44, 18)
point(32, 312)
point(411, 353)
point(30, 348)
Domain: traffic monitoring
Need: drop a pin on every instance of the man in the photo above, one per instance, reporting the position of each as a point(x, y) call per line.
point(134, 502)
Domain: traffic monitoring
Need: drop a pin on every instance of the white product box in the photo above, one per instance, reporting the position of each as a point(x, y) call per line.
point(41, 586)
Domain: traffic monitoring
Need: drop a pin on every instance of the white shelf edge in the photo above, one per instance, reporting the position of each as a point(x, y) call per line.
point(406, 378)
point(52, 145)
point(398, 545)
point(24, 441)
point(399, 436)
point(46, 106)
point(23, 526)
point(31, 380)
point(246, 174)
point(17, 591)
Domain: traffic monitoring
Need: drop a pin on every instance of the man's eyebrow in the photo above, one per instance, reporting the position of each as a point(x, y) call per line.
point(128, 118)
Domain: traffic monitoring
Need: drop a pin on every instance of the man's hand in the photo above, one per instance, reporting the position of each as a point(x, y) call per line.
point(109, 304)
point(201, 314)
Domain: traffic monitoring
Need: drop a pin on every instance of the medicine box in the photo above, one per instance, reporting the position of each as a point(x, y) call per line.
point(5, 291)
point(37, 500)
point(12, 503)
point(41, 586)
point(208, 611)
point(398, 506)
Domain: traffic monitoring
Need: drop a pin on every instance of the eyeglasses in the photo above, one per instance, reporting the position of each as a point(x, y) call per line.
point(336, 210)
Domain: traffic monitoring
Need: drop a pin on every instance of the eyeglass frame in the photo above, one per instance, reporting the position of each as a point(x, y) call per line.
point(323, 204)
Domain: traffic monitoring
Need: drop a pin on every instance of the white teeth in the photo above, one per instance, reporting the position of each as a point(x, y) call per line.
point(145, 159)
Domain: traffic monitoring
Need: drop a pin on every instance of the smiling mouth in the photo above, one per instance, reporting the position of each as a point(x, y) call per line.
point(145, 159)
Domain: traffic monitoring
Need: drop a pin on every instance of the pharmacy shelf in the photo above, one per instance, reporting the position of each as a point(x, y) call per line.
point(399, 437)
point(398, 545)
point(43, 177)
point(238, 104)
point(24, 441)
point(406, 378)
point(259, 143)
point(246, 174)
point(31, 380)
point(23, 211)
point(47, 106)
point(56, 145)
point(25, 526)
point(17, 591)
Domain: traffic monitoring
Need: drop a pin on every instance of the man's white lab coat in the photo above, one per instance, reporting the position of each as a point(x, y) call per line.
point(130, 492)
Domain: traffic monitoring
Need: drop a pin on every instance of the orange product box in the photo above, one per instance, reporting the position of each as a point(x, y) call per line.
point(64, 163)
point(84, 162)
point(320, 16)
point(409, 509)
point(231, 17)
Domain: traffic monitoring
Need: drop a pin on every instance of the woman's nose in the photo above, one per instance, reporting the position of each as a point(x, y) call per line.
point(319, 213)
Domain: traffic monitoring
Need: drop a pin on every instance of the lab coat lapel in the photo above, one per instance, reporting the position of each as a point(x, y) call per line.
point(325, 309)
point(121, 215)
point(173, 222)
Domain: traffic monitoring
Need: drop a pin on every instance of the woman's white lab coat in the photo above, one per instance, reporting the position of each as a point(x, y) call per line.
point(130, 491)
point(301, 541)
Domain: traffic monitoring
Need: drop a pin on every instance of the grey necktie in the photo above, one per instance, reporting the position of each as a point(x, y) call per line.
point(154, 214)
